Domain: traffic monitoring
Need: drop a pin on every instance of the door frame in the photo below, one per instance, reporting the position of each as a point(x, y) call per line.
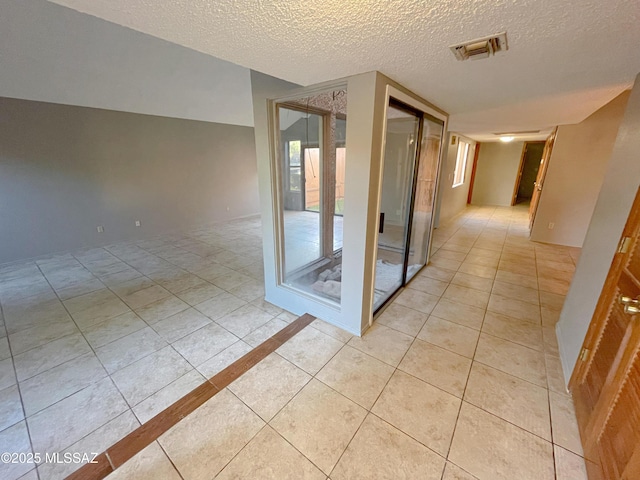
point(423, 109)
point(542, 173)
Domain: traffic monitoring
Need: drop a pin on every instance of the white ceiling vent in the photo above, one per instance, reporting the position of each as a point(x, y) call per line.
point(481, 47)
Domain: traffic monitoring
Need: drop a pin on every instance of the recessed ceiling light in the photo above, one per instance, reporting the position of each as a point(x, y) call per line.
point(506, 139)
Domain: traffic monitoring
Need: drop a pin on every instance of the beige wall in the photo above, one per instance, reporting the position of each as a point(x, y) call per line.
point(611, 210)
point(65, 170)
point(453, 199)
point(496, 173)
point(577, 166)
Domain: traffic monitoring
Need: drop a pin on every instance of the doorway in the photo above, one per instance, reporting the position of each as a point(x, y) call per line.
point(528, 172)
point(410, 169)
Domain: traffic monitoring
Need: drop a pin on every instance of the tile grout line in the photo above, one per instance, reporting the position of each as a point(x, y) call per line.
point(143, 436)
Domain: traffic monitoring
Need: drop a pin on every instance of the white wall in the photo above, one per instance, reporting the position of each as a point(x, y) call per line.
point(577, 166)
point(54, 54)
point(453, 200)
point(64, 170)
point(496, 173)
point(612, 208)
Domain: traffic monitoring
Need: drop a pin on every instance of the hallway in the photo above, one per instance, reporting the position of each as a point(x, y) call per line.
point(458, 379)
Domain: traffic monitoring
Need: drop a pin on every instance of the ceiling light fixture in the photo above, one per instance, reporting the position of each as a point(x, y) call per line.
point(506, 139)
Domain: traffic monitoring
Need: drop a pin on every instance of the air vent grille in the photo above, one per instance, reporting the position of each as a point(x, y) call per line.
point(481, 47)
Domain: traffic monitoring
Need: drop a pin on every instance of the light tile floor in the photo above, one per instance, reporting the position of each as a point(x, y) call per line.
point(458, 379)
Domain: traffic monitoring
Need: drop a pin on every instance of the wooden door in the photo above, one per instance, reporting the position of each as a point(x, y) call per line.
point(606, 380)
point(542, 171)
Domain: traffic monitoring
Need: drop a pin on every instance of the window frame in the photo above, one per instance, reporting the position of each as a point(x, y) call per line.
point(460, 170)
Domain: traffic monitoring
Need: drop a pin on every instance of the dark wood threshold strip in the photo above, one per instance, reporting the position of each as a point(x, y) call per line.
point(123, 450)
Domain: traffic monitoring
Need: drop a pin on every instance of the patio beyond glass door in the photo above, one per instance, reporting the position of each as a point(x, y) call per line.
point(403, 127)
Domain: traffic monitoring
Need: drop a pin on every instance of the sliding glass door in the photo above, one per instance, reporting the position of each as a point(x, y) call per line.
point(412, 147)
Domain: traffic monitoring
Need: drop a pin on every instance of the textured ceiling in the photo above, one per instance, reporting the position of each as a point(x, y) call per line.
point(565, 58)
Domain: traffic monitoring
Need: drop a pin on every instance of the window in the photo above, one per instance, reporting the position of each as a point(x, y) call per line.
point(461, 164)
point(295, 171)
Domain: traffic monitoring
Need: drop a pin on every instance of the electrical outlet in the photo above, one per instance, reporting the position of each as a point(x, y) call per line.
point(100, 229)
point(551, 225)
point(137, 223)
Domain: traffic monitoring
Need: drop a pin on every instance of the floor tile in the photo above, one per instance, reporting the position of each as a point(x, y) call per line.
point(472, 281)
point(249, 291)
point(244, 320)
point(555, 375)
point(113, 329)
point(510, 398)
point(67, 421)
point(564, 423)
point(492, 449)
point(4, 348)
point(36, 336)
point(437, 273)
point(146, 296)
point(166, 396)
point(269, 386)
point(403, 319)
point(466, 295)
point(310, 350)
point(126, 350)
point(204, 343)
point(514, 330)
point(428, 285)
point(569, 466)
point(420, 301)
point(331, 330)
point(512, 358)
point(517, 279)
point(180, 325)
point(49, 355)
point(182, 282)
point(199, 294)
point(220, 305)
point(320, 423)
point(356, 375)
point(458, 313)
point(451, 336)
point(420, 410)
point(97, 441)
point(231, 280)
point(453, 472)
point(7, 373)
point(380, 451)
point(15, 439)
point(206, 440)
point(509, 290)
point(161, 309)
point(222, 360)
point(149, 464)
point(478, 270)
point(47, 388)
point(146, 376)
point(439, 367)
point(514, 308)
point(383, 343)
point(10, 407)
point(269, 456)
point(264, 332)
point(262, 304)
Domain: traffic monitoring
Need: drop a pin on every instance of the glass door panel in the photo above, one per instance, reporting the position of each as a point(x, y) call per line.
point(425, 190)
point(399, 162)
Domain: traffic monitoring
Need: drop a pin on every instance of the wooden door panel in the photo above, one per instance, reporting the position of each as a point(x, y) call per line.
point(606, 387)
point(621, 434)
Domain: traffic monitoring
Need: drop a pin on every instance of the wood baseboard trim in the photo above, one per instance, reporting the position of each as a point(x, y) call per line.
point(123, 450)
